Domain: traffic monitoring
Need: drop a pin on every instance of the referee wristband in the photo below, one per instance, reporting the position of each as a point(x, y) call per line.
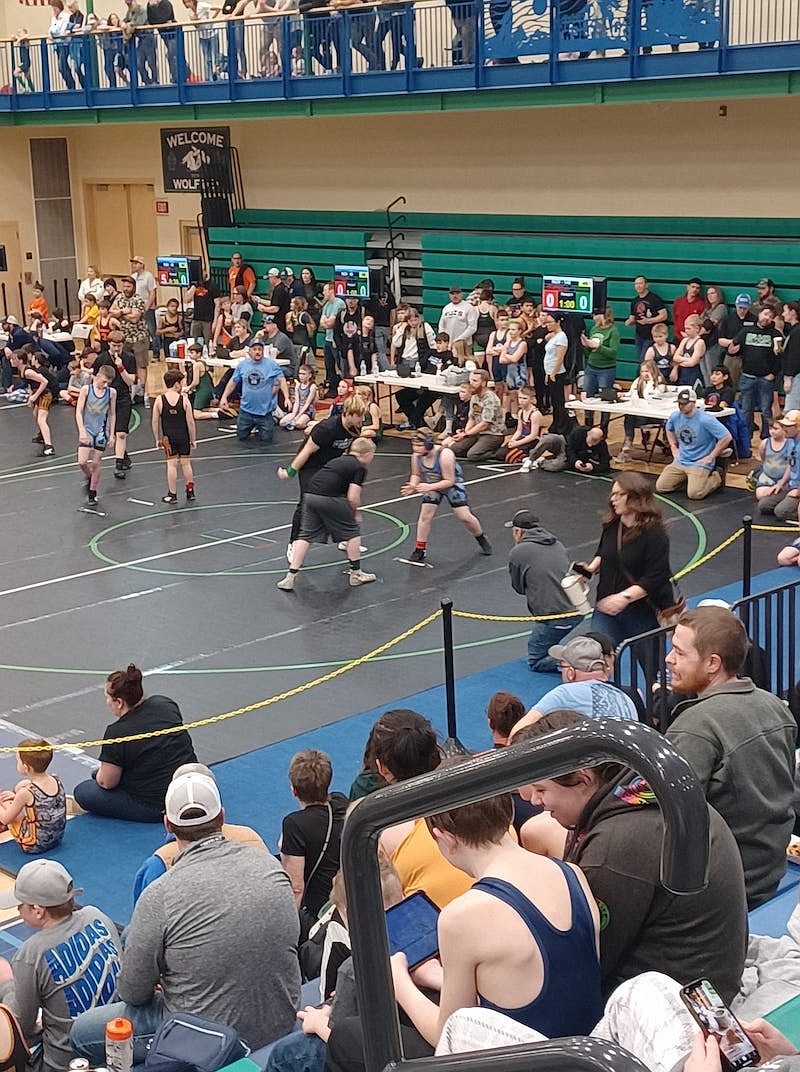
point(291, 470)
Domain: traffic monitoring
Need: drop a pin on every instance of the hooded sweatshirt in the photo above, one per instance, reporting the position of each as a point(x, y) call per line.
point(538, 564)
point(644, 927)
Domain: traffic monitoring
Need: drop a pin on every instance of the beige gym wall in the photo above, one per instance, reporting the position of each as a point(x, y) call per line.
point(668, 159)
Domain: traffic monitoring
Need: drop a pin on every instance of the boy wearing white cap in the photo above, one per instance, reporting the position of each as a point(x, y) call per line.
point(69, 966)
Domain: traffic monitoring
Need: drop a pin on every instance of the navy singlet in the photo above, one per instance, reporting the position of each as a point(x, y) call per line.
point(570, 1001)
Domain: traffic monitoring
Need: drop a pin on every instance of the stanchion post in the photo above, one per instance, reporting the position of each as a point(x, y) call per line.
point(747, 555)
point(452, 745)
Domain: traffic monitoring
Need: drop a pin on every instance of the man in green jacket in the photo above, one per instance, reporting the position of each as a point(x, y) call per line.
point(740, 741)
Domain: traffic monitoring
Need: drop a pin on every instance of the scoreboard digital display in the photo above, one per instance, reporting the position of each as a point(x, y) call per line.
point(568, 295)
point(178, 271)
point(351, 280)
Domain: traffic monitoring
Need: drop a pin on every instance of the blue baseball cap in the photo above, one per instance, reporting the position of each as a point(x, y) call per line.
point(744, 300)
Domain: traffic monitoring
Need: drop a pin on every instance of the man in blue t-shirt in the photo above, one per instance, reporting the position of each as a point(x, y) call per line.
point(259, 379)
point(696, 440)
point(585, 688)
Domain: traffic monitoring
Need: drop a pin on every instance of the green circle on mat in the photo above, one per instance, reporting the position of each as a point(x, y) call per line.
point(94, 543)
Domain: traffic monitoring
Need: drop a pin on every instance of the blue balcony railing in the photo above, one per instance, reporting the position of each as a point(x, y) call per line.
point(402, 47)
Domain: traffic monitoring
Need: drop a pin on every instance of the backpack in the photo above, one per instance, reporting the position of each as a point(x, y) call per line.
point(189, 1043)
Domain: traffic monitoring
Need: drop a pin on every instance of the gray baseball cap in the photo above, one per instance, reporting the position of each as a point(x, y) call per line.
point(582, 653)
point(41, 882)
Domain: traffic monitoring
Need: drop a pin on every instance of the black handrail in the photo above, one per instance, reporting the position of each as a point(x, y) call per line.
point(572, 1054)
point(684, 849)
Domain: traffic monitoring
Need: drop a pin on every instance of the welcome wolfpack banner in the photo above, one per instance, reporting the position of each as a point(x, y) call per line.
point(189, 154)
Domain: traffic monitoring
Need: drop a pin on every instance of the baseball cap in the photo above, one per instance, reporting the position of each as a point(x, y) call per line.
point(255, 342)
point(13, 321)
point(765, 282)
point(605, 640)
point(791, 419)
point(192, 793)
point(582, 653)
point(193, 768)
point(696, 279)
point(127, 279)
point(287, 271)
point(523, 519)
point(714, 603)
point(195, 346)
point(273, 271)
point(456, 290)
point(744, 300)
point(268, 319)
point(41, 882)
point(137, 260)
point(686, 394)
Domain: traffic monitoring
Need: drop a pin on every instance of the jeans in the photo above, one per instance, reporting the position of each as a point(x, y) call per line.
point(594, 380)
point(382, 337)
point(554, 444)
point(793, 395)
point(146, 58)
point(249, 422)
point(109, 60)
point(76, 54)
point(331, 357)
point(642, 345)
point(638, 618)
point(756, 391)
point(115, 803)
point(209, 47)
point(62, 56)
point(543, 636)
point(88, 1035)
point(297, 1053)
point(171, 45)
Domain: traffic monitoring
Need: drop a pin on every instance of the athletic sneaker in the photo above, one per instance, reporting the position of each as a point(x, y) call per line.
point(39, 438)
point(485, 546)
point(526, 466)
point(417, 555)
point(287, 584)
point(289, 552)
point(126, 461)
point(190, 496)
point(536, 464)
point(119, 471)
point(47, 452)
point(92, 497)
point(147, 401)
point(170, 498)
point(358, 576)
point(343, 547)
point(623, 456)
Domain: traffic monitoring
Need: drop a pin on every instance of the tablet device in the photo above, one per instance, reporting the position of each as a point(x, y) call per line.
point(411, 926)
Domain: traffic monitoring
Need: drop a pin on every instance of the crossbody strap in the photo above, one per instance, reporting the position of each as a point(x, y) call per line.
point(324, 847)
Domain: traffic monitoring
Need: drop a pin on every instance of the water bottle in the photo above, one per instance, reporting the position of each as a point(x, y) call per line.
point(417, 368)
point(119, 1045)
point(363, 368)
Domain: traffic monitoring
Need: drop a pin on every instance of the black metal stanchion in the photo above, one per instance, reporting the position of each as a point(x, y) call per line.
point(747, 555)
point(452, 746)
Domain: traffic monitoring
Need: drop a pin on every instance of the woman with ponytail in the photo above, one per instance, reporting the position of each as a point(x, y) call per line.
point(134, 771)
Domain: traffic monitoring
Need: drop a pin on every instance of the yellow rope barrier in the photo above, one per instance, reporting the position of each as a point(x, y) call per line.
point(250, 707)
point(775, 528)
point(354, 663)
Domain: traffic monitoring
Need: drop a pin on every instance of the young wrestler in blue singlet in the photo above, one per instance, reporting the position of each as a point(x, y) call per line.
point(95, 414)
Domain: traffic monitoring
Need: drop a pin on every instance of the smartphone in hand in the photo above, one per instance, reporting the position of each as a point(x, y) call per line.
point(736, 1048)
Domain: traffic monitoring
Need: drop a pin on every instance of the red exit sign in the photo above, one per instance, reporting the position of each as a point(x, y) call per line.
point(162, 208)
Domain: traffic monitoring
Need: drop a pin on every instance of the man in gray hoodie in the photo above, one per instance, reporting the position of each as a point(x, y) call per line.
point(538, 563)
point(218, 933)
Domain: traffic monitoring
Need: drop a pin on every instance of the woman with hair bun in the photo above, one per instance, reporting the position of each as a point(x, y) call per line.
point(404, 745)
point(133, 775)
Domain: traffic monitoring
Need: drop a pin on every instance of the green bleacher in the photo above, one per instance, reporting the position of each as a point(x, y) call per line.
point(464, 248)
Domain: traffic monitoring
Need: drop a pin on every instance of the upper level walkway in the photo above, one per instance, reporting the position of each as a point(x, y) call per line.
point(397, 48)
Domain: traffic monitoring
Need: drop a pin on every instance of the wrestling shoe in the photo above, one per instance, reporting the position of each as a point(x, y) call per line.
point(91, 498)
point(39, 438)
point(287, 584)
point(343, 547)
point(358, 577)
point(47, 452)
point(190, 495)
point(485, 546)
point(126, 461)
point(170, 498)
point(526, 466)
point(289, 552)
point(417, 555)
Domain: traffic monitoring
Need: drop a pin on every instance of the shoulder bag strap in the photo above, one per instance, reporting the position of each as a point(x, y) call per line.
point(324, 847)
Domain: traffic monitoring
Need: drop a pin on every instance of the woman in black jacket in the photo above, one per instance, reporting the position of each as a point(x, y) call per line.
point(632, 561)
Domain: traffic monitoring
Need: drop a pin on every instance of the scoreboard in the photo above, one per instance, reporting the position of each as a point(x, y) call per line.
point(568, 295)
point(351, 281)
point(178, 271)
